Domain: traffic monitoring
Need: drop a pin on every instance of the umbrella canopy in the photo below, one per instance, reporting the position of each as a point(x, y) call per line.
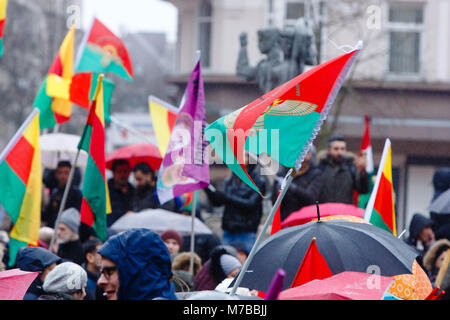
point(160, 220)
point(441, 205)
point(343, 217)
point(14, 283)
point(347, 285)
point(345, 246)
point(308, 213)
point(415, 286)
point(56, 147)
point(135, 153)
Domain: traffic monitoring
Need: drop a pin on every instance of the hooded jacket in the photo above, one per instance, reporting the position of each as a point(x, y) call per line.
point(35, 259)
point(441, 181)
point(211, 273)
point(144, 265)
point(418, 222)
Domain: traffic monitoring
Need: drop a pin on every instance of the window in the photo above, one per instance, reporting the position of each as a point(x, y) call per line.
point(204, 32)
point(294, 9)
point(405, 23)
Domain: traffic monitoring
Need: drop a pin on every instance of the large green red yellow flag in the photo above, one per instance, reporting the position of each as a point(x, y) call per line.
point(3, 5)
point(21, 185)
point(282, 123)
point(102, 51)
point(56, 110)
point(380, 210)
point(96, 203)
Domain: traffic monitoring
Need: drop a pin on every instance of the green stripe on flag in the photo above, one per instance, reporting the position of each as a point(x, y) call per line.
point(108, 88)
point(377, 220)
point(94, 193)
point(85, 140)
point(12, 191)
point(14, 247)
point(1, 48)
point(44, 103)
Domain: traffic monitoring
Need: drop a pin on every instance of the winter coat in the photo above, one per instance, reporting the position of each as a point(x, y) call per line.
point(211, 273)
point(50, 212)
point(339, 182)
point(72, 251)
point(143, 263)
point(417, 224)
point(35, 259)
point(303, 191)
point(120, 202)
point(441, 181)
point(431, 256)
point(147, 198)
point(243, 205)
point(203, 244)
point(91, 284)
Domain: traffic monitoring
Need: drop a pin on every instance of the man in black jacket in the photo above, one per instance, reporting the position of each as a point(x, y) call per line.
point(243, 207)
point(340, 175)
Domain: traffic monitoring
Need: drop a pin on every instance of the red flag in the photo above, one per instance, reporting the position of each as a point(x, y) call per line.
point(276, 222)
point(313, 266)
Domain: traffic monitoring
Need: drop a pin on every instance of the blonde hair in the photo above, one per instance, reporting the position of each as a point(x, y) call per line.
point(182, 262)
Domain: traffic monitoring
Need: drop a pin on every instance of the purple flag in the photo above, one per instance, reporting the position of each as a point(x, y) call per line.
point(185, 166)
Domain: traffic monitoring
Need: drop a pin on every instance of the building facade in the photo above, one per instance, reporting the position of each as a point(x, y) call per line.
point(401, 78)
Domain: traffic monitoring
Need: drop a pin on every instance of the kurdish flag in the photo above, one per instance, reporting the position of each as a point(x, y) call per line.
point(380, 210)
point(95, 204)
point(282, 123)
point(3, 5)
point(366, 149)
point(163, 116)
point(80, 89)
point(102, 51)
point(21, 185)
point(56, 110)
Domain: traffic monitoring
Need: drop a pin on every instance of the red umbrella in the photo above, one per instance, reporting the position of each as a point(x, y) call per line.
point(308, 213)
point(347, 285)
point(142, 152)
point(14, 283)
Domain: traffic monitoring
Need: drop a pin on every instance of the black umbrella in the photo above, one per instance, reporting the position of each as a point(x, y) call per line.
point(346, 246)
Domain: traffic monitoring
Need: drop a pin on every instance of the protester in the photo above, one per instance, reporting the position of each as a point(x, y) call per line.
point(74, 196)
point(441, 183)
point(243, 207)
point(221, 265)
point(340, 175)
point(183, 278)
point(67, 239)
point(434, 257)
point(120, 190)
point(304, 189)
point(241, 251)
point(421, 235)
point(67, 281)
point(136, 266)
point(92, 265)
point(173, 241)
point(36, 259)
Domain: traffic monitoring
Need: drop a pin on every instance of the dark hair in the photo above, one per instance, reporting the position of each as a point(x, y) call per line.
point(64, 164)
point(90, 246)
point(335, 138)
point(119, 162)
point(144, 167)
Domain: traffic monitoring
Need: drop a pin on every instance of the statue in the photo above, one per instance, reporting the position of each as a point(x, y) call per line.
point(287, 52)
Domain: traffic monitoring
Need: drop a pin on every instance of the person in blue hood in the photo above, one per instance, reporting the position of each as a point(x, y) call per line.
point(136, 265)
point(36, 259)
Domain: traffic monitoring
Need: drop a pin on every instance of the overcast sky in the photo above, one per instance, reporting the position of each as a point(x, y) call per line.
point(132, 15)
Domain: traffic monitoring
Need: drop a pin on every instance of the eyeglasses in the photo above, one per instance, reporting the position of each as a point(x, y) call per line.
point(108, 271)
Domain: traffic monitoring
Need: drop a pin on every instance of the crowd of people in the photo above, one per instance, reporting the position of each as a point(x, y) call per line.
point(142, 264)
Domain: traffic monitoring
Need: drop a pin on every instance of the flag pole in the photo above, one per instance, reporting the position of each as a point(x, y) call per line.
point(64, 199)
point(193, 214)
point(284, 188)
point(18, 134)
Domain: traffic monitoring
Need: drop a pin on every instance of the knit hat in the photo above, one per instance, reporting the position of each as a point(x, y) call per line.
point(228, 263)
point(67, 277)
point(172, 234)
point(71, 218)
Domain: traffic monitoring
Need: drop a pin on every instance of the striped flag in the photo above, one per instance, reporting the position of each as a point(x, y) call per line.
point(3, 6)
point(163, 116)
point(96, 203)
point(380, 210)
point(21, 185)
point(55, 110)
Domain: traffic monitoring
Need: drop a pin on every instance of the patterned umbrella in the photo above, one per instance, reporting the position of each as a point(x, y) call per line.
point(415, 286)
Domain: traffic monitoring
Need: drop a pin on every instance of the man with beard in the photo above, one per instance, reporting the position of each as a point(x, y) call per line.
point(340, 174)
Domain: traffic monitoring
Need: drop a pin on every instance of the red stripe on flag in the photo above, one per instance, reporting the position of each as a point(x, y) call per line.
point(56, 67)
point(276, 222)
point(87, 216)
point(20, 159)
point(97, 146)
point(60, 118)
point(2, 25)
point(384, 201)
point(171, 118)
point(365, 143)
point(80, 89)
